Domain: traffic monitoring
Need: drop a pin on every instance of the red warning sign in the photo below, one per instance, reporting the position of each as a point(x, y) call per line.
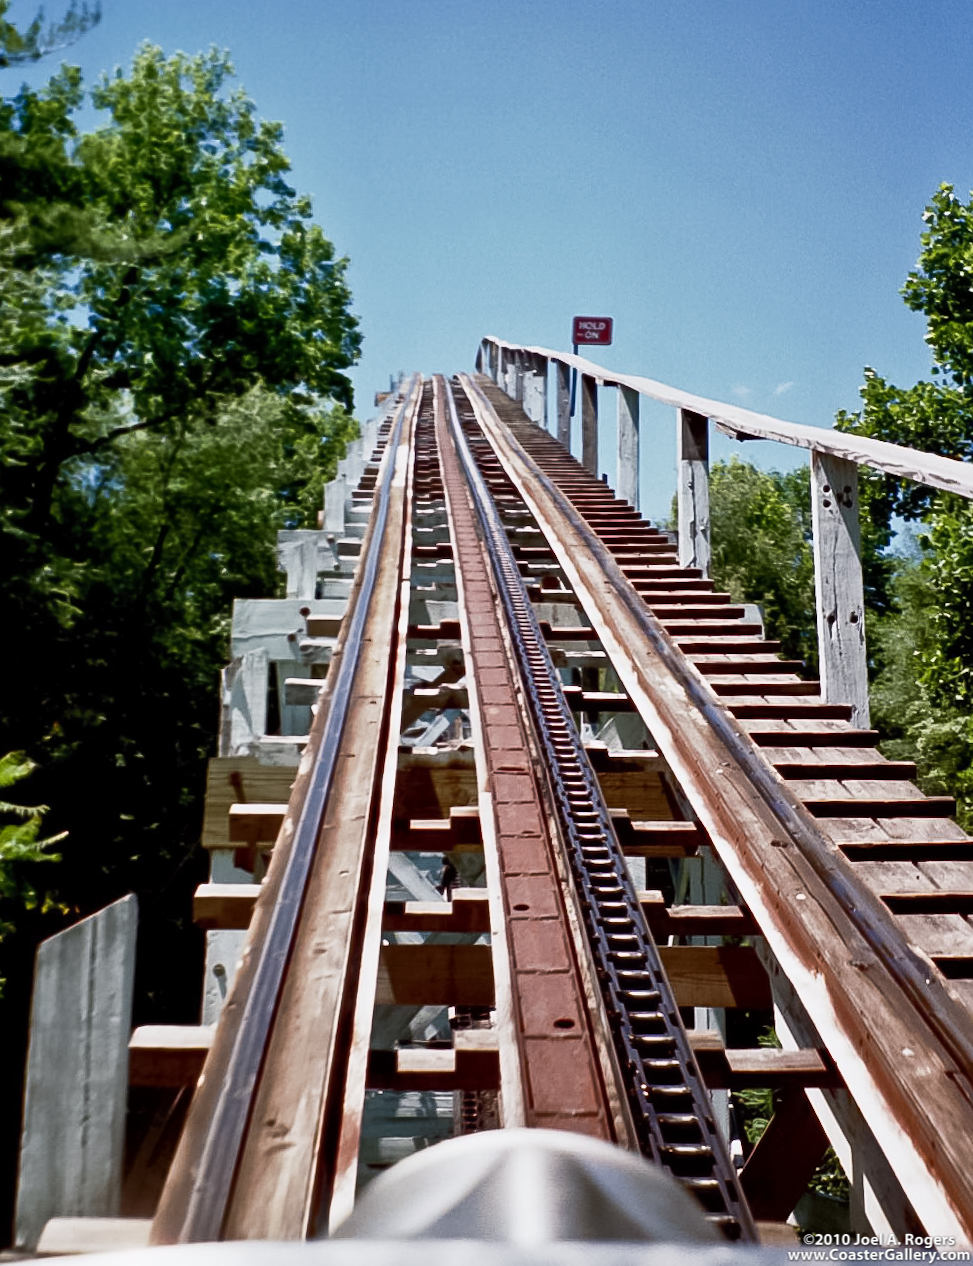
point(592, 330)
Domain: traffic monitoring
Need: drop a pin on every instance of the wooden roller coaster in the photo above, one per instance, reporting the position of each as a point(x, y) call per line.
point(563, 824)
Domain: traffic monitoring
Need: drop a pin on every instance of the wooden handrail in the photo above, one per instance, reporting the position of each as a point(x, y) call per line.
point(945, 473)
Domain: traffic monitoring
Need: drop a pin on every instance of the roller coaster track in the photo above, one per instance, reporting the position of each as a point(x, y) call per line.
point(852, 886)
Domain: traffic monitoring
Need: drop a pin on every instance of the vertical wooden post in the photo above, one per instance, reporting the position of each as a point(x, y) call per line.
point(540, 370)
point(838, 584)
point(627, 482)
point(519, 375)
point(589, 424)
point(501, 370)
point(527, 383)
point(73, 1140)
point(564, 404)
point(693, 491)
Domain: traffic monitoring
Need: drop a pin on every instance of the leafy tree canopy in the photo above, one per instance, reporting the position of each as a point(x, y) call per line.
point(174, 339)
point(18, 47)
point(924, 650)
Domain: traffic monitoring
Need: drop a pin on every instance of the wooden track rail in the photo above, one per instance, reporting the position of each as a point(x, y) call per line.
point(558, 785)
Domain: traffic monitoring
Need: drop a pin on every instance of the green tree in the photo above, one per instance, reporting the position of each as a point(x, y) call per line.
point(19, 845)
point(760, 526)
point(18, 47)
point(175, 335)
point(933, 594)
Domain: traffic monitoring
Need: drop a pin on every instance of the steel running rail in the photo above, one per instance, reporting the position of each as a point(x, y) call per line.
point(209, 1200)
point(666, 1095)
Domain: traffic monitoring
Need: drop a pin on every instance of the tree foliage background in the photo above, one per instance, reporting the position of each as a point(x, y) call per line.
point(174, 335)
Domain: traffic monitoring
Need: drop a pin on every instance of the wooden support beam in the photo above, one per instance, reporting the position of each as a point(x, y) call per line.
point(589, 424)
point(838, 584)
point(627, 481)
point(765, 1067)
point(563, 404)
point(466, 912)
point(692, 444)
point(461, 830)
point(224, 906)
point(716, 975)
point(471, 1063)
point(428, 975)
point(697, 920)
point(168, 1054)
point(783, 1162)
point(255, 824)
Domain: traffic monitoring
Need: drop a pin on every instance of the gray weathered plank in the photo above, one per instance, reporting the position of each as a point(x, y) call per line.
point(692, 443)
point(627, 482)
point(73, 1140)
point(838, 584)
point(589, 424)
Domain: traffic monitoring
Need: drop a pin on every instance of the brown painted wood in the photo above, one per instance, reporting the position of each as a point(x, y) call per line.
point(785, 1157)
point(224, 905)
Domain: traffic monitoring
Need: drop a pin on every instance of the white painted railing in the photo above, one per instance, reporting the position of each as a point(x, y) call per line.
point(522, 372)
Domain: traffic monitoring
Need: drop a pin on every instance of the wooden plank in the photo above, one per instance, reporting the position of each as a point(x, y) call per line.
point(665, 921)
point(73, 1139)
point(716, 975)
point(467, 912)
point(444, 975)
point(628, 446)
point(563, 404)
point(783, 1162)
point(764, 1067)
point(255, 824)
point(406, 1070)
point(692, 446)
point(840, 601)
point(226, 906)
point(588, 390)
point(168, 1054)
point(239, 779)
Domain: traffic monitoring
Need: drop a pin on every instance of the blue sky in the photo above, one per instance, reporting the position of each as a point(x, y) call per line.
point(740, 185)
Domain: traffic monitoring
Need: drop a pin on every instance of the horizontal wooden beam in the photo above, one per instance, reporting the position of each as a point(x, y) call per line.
point(744, 424)
point(665, 921)
point(225, 906)
point(431, 975)
point(468, 911)
point(173, 1055)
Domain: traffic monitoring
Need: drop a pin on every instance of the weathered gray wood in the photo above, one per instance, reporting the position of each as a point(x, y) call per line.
point(895, 459)
point(224, 949)
point(73, 1140)
point(589, 424)
point(692, 443)
point(295, 718)
point(499, 367)
point(627, 482)
point(243, 707)
point(297, 555)
point(838, 584)
point(564, 405)
point(276, 624)
point(540, 370)
point(335, 496)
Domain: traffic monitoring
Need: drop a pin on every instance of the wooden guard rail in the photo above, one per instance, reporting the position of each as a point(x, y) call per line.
point(522, 372)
